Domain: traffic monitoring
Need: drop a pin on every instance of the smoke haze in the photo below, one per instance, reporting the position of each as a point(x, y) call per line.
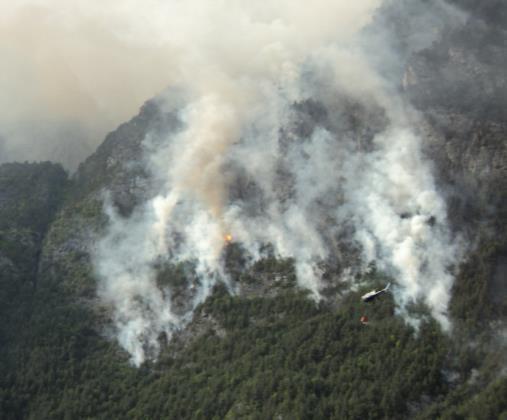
point(84, 67)
point(282, 103)
point(286, 102)
point(70, 73)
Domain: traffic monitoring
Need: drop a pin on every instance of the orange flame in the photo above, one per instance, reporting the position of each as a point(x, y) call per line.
point(228, 238)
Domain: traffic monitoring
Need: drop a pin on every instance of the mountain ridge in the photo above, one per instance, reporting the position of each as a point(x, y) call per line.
point(283, 354)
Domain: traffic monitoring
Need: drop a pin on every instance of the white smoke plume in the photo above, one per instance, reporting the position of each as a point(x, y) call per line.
point(282, 96)
point(72, 71)
point(85, 66)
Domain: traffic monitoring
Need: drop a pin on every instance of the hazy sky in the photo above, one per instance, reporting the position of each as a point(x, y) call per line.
point(242, 66)
point(72, 71)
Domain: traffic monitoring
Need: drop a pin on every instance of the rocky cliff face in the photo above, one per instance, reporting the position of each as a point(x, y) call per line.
point(118, 164)
point(460, 87)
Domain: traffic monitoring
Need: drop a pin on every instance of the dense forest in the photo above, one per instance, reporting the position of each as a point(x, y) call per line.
point(282, 357)
point(259, 357)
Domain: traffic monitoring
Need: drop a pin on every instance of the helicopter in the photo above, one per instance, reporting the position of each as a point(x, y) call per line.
point(368, 297)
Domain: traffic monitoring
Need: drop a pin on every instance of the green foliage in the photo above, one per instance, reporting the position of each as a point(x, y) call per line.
point(473, 288)
point(30, 194)
point(281, 356)
point(471, 401)
point(278, 354)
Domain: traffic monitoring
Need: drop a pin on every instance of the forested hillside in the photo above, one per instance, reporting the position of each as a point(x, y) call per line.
point(251, 340)
point(273, 353)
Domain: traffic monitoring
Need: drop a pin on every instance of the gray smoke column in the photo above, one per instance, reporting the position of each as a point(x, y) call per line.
point(401, 219)
point(250, 76)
